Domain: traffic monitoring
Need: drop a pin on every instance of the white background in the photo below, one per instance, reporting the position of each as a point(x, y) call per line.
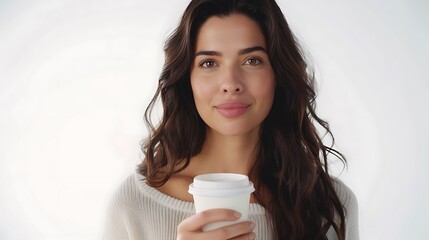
point(76, 76)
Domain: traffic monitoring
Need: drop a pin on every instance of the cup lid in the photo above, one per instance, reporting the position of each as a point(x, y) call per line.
point(221, 184)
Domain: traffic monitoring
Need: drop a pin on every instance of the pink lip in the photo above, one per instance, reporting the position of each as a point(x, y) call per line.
point(232, 109)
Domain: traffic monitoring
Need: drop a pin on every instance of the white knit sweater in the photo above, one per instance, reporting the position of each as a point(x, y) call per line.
point(140, 212)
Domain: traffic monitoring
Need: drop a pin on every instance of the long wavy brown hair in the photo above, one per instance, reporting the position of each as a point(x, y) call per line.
point(291, 160)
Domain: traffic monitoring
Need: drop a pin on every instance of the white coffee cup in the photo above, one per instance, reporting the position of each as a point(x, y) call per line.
point(222, 190)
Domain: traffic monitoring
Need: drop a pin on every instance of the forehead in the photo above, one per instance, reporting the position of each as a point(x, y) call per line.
point(236, 30)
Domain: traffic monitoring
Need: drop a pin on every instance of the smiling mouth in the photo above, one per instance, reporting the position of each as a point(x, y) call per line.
point(231, 110)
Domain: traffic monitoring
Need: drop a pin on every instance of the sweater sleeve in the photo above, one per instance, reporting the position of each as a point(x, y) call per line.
point(350, 203)
point(116, 225)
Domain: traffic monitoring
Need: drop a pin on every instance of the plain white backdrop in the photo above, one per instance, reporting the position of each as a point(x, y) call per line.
point(76, 76)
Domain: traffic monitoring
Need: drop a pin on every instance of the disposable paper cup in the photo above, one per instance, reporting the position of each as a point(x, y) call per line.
point(222, 190)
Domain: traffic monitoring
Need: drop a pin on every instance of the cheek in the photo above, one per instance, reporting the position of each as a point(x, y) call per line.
point(198, 90)
point(201, 89)
point(266, 90)
point(264, 86)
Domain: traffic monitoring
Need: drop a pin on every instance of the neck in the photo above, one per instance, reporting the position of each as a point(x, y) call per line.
point(220, 153)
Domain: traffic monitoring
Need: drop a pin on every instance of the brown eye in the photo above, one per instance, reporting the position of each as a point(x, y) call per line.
point(208, 64)
point(253, 61)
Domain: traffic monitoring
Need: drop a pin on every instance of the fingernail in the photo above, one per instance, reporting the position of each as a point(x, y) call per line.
point(252, 225)
point(237, 214)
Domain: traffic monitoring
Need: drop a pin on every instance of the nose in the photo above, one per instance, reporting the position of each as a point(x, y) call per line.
point(232, 83)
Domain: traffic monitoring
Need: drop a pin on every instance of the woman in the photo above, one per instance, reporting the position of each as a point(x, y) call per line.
point(238, 98)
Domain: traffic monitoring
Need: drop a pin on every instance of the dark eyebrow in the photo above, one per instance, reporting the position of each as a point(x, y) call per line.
point(251, 49)
point(209, 53)
point(241, 52)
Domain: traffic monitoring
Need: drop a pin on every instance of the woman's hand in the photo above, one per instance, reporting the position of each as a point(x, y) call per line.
point(191, 228)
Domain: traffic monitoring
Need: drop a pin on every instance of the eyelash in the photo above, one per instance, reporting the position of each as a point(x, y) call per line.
point(205, 62)
point(259, 61)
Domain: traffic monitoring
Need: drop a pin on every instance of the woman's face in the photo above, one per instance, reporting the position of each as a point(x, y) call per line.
point(231, 77)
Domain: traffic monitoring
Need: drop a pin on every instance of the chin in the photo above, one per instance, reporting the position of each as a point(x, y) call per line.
point(235, 131)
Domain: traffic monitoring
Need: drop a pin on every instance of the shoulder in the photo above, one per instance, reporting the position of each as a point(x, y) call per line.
point(130, 193)
point(350, 203)
point(122, 208)
point(346, 195)
point(126, 194)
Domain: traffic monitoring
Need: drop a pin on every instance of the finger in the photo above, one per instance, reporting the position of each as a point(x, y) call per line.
point(250, 236)
point(234, 231)
point(197, 221)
